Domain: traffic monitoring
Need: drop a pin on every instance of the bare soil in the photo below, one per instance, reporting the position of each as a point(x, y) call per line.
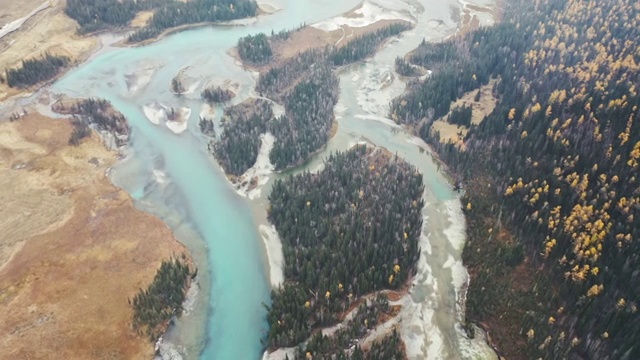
point(141, 19)
point(451, 133)
point(73, 248)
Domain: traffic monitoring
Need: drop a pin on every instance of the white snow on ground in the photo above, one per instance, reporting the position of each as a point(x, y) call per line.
point(207, 111)
point(278, 110)
point(279, 354)
point(192, 295)
point(142, 76)
point(192, 88)
point(157, 113)
point(269, 6)
point(154, 112)
point(381, 119)
point(367, 14)
point(417, 141)
point(16, 24)
point(273, 245)
point(459, 273)
point(166, 351)
point(422, 337)
point(375, 93)
point(379, 332)
point(456, 232)
point(261, 169)
point(160, 176)
point(180, 125)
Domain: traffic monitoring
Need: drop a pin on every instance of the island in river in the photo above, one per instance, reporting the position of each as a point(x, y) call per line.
point(349, 233)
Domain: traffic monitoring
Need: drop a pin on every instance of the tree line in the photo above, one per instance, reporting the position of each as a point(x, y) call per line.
point(239, 144)
point(98, 113)
point(36, 70)
point(307, 87)
point(364, 45)
point(308, 118)
point(95, 15)
point(346, 231)
point(154, 306)
point(553, 168)
point(177, 13)
point(255, 50)
point(217, 94)
point(461, 115)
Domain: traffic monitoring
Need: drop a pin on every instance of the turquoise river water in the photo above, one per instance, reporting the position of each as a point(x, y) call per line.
point(173, 176)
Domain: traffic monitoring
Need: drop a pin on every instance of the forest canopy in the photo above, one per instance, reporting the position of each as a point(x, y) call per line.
point(554, 168)
point(96, 15)
point(239, 144)
point(34, 71)
point(155, 305)
point(348, 230)
point(97, 113)
point(177, 13)
point(255, 49)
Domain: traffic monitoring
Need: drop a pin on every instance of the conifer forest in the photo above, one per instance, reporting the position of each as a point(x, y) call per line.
point(528, 112)
point(346, 231)
point(551, 174)
point(34, 71)
point(154, 306)
point(96, 15)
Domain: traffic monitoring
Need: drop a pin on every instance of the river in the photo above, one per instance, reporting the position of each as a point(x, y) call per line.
point(173, 177)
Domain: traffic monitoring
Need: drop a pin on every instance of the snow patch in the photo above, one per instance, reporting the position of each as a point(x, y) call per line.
point(367, 14)
point(154, 112)
point(381, 119)
point(180, 124)
point(157, 113)
point(260, 171)
point(280, 354)
point(273, 245)
point(166, 351)
point(456, 232)
point(160, 176)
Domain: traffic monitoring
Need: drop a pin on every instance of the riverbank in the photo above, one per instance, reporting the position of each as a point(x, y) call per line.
point(315, 36)
point(264, 9)
point(75, 247)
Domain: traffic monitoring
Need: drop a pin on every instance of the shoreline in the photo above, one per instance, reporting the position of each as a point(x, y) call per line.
point(310, 37)
point(176, 29)
point(396, 300)
point(96, 205)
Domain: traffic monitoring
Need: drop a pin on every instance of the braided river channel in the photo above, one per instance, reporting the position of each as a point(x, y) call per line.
point(235, 248)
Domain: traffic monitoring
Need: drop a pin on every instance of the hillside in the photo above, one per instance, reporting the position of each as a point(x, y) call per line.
point(552, 197)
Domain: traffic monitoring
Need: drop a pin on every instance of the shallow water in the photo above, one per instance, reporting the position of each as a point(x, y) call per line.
point(173, 176)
